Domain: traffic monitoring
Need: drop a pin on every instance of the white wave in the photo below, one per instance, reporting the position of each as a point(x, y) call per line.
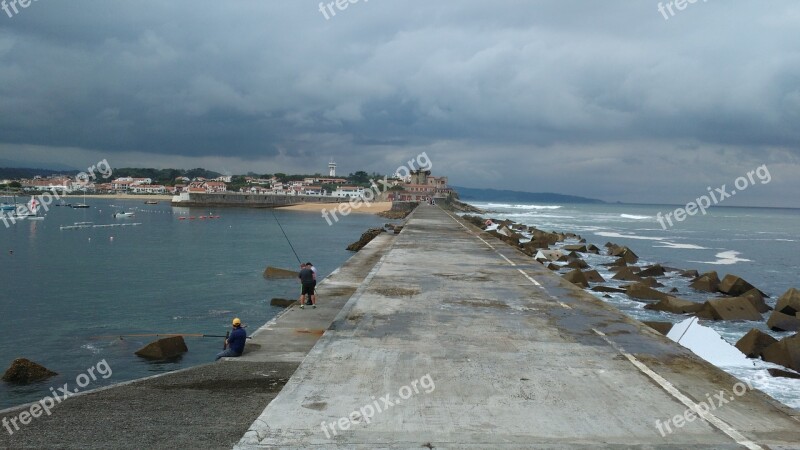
point(633, 216)
point(537, 215)
point(92, 348)
point(510, 206)
point(628, 236)
point(725, 258)
point(681, 246)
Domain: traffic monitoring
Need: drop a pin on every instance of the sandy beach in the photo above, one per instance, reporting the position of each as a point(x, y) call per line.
point(372, 208)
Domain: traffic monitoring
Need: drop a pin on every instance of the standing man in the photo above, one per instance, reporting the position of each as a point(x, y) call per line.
point(234, 345)
point(306, 277)
point(313, 269)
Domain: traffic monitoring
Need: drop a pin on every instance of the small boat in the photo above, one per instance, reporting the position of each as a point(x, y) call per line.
point(151, 202)
point(81, 205)
point(9, 206)
point(124, 214)
point(32, 209)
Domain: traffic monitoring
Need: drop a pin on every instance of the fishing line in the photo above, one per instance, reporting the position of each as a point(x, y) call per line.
point(272, 210)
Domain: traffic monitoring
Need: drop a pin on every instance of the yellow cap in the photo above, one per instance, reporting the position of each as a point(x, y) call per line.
point(236, 321)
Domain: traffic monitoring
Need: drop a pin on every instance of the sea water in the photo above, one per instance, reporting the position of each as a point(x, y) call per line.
point(67, 294)
point(761, 245)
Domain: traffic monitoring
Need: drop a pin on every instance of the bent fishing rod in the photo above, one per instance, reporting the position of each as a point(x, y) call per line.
point(122, 336)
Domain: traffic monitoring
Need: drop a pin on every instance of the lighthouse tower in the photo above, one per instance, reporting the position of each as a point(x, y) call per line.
point(332, 168)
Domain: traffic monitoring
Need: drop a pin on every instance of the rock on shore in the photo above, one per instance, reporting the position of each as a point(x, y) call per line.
point(25, 371)
point(365, 239)
point(166, 348)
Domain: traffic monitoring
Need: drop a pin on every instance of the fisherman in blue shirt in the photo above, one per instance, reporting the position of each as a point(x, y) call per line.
point(234, 345)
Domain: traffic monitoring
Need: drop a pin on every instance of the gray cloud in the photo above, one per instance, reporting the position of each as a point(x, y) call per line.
point(604, 99)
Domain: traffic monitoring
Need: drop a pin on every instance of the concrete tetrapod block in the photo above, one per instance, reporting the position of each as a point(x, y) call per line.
point(576, 248)
point(608, 289)
point(754, 342)
point(282, 302)
point(786, 316)
point(783, 374)
point(736, 308)
point(675, 305)
point(661, 327)
point(757, 300)
point(785, 352)
point(166, 348)
point(644, 292)
point(626, 274)
point(577, 277)
point(25, 371)
point(708, 282)
point(734, 285)
point(594, 276)
point(653, 271)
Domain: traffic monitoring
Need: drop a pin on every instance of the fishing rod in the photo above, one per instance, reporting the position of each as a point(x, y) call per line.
point(272, 210)
point(121, 336)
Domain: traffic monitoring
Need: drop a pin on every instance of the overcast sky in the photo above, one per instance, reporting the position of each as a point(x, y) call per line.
point(605, 99)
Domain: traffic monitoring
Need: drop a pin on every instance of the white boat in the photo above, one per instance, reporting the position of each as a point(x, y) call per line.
point(124, 214)
point(29, 211)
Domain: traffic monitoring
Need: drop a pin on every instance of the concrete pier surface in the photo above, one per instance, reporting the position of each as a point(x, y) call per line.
point(456, 340)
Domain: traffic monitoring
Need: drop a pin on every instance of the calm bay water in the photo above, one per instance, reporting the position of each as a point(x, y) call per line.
point(62, 288)
point(758, 244)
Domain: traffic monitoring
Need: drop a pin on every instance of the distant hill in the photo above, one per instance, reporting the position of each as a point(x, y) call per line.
point(494, 195)
point(13, 173)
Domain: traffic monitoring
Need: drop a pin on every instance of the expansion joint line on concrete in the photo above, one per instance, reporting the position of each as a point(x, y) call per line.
point(512, 263)
point(672, 390)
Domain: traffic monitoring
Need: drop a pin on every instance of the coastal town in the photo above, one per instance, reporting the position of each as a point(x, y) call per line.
point(412, 186)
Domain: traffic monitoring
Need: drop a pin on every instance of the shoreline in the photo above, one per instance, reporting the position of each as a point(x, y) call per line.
point(372, 208)
point(143, 198)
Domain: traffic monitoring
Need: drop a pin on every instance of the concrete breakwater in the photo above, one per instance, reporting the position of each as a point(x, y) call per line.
point(457, 340)
point(242, 200)
point(443, 337)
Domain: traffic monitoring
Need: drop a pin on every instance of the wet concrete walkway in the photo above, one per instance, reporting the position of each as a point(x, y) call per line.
point(456, 340)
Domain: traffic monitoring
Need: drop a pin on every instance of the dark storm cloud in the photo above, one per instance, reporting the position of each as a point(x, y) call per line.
point(630, 105)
